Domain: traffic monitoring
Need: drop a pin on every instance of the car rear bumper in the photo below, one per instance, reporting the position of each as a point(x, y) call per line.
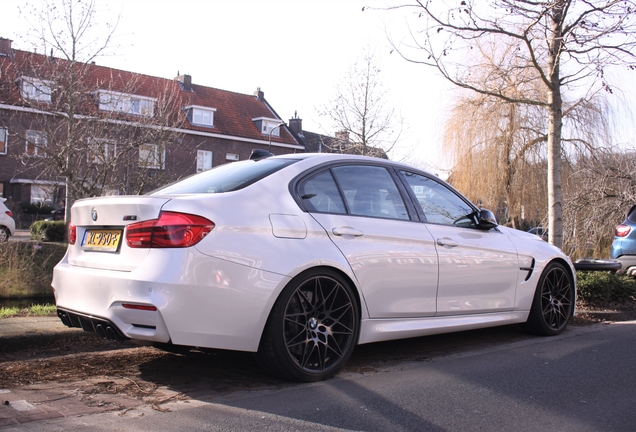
point(181, 297)
point(628, 265)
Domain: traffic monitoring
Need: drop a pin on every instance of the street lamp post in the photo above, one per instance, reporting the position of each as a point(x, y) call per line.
point(269, 148)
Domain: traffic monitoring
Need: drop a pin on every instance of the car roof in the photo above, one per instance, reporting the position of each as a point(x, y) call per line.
point(329, 157)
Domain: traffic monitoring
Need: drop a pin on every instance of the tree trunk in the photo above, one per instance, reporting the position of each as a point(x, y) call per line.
point(555, 114)
point(555, 194)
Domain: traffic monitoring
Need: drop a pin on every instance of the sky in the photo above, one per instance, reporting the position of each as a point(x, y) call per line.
point(295, 51)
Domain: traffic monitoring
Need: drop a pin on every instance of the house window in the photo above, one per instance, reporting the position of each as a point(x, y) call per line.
point(36, 89)
point(101, 151)
point(143, 107)
point(4, 140)
point(41, 194)
point(126, 103)
point(202, 116)
point(36, 143)
point(267, 125)
point(150, 156)
point(204, 160)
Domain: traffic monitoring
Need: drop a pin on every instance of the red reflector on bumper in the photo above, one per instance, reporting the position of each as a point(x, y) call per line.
point(138, 307)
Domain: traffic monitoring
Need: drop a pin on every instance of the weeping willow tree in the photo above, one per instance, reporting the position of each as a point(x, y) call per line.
point(498, 149)
point(566, 45)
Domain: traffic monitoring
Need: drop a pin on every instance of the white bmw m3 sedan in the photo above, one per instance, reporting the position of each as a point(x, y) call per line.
point(299, 258)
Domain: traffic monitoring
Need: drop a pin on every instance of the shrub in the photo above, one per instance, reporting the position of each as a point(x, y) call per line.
point(26, 268)
point(53, 231)
point(605, 287)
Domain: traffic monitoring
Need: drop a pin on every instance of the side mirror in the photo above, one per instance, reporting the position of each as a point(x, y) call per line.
point(486, 219)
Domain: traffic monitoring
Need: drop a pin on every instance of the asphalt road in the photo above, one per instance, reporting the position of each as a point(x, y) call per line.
point(583, 380)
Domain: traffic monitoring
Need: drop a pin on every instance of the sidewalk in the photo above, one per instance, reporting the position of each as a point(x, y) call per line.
point(20, 235)
point(31, 326)
point(51, 404)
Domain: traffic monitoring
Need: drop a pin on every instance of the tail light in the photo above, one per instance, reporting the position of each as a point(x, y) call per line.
point(8, 212)
point(171, 230)
point(72, 234)
point(622, 230)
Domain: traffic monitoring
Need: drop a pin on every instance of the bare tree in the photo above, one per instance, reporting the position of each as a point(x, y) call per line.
point(566, 45)
point(599, 191)
point(359, 113)
point(83, 125)
point(492, 144)
point(487, 134)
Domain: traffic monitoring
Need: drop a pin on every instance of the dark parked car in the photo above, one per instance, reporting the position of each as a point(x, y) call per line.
point(624, 245)
point(539, 231)
point(56, 215)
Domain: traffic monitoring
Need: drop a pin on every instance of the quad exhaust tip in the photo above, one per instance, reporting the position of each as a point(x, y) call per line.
point(104, 328)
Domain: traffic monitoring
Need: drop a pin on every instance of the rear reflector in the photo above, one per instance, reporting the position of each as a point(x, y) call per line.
point(138, 307)
point(171, 230)
point(622, 230)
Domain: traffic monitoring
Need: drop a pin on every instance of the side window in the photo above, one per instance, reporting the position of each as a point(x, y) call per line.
point(439, 204)
point(370, 191)
point(320, 194)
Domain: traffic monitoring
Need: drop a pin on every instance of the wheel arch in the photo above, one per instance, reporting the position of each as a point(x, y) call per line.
point(303, 273)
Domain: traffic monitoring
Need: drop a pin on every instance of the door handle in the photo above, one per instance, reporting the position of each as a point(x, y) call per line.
point(447, 242)
point(347, 231)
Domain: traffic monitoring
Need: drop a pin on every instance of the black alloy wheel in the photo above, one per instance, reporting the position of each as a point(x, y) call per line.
point(312, 329)
point(553, 301)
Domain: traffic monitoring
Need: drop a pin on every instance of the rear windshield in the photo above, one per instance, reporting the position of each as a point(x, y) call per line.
point(225, 178)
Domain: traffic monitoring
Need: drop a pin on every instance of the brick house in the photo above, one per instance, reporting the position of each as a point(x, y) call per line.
point(119, 132)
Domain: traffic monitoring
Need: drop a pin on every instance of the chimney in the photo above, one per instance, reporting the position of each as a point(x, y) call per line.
point(259, 94)
point(296, 124)
point(343, 136)
point(5, 47)
point(185, 82)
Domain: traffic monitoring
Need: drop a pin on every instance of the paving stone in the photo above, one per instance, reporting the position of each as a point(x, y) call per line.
point(7, 422)
point(22, 405)
point(39, 417)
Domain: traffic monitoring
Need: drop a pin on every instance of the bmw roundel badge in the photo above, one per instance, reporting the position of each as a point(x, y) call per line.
point(94, 214)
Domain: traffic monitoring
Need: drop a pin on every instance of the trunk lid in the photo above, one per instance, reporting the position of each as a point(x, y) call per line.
point(102, 218)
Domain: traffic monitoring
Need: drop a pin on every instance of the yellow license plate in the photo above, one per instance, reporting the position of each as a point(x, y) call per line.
point(102, 240)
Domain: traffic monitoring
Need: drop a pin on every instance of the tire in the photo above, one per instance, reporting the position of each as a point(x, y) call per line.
point(553, 302)
point(312, 328)
point(4, 235)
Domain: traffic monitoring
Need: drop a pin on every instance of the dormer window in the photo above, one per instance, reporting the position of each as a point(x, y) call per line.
point(267, 125)
point(35, 89)
point(126, 103)
point(200, 115)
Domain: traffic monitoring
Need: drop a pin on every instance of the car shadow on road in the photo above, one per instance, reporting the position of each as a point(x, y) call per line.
point(206, 374)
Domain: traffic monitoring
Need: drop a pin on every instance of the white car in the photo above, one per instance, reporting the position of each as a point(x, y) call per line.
point(299, 258)
point(7, 224)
